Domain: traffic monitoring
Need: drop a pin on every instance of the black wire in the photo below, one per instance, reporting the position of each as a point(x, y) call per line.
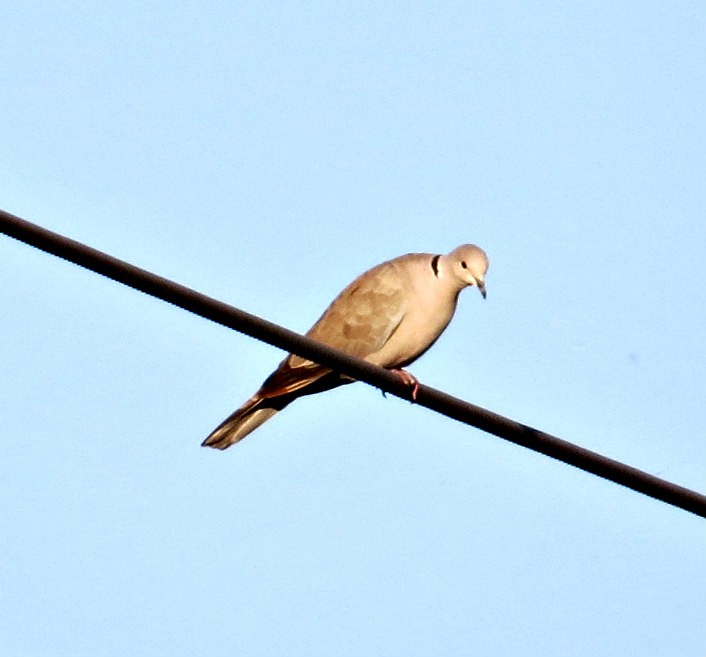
point(273, 334)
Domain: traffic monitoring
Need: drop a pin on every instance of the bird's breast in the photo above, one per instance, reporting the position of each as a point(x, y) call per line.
point(422, 324)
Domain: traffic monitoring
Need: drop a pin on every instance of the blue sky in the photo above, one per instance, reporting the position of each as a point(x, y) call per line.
point(266, 154)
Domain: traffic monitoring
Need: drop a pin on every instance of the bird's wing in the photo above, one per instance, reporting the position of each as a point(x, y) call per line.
point(359, 321)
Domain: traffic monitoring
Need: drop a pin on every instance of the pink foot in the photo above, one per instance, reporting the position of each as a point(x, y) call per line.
point(409, 380)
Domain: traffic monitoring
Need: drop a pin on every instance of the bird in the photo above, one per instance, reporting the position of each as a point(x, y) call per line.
point(389, 316)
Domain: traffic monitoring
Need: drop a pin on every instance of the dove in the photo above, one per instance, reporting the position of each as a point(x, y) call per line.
point(388, 316)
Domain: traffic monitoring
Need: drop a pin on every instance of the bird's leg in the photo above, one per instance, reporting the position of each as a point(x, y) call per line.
point(408, 379)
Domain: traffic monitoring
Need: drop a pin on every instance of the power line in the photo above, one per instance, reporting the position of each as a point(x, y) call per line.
point(433, 399)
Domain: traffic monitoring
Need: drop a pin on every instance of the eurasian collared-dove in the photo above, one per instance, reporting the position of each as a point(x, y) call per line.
point(389, 316)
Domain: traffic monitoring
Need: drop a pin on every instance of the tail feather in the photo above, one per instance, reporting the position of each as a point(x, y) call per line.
point(239, 424)
point(261, 407)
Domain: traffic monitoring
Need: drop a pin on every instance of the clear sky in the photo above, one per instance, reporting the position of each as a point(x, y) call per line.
point(266, 153)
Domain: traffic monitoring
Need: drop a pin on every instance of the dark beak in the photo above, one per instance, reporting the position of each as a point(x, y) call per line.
point(481, 288)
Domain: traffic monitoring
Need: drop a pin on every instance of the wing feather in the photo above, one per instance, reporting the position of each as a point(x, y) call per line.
point(359, 321)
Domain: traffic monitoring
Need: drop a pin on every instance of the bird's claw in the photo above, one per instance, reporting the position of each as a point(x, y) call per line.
point(409, 380)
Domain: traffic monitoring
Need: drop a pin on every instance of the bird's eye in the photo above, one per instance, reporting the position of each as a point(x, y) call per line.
point(463, 264)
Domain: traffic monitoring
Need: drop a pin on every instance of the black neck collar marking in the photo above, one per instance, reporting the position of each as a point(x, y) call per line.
point(435, 265)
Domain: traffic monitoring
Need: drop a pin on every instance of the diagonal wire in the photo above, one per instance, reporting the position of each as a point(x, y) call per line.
point(433, 399)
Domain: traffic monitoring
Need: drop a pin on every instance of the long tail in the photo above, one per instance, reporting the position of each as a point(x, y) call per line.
point(265, 403)
point(239, 424)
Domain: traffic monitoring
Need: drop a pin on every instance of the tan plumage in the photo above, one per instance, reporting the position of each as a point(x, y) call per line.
point(389, 316)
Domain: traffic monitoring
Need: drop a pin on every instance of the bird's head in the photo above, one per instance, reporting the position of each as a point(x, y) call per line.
point(469, 264)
